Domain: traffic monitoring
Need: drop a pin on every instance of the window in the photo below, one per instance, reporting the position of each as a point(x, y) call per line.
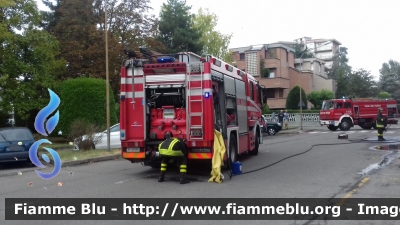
point(339, 105)
point(251, 90)
point(271, 75)
point(347, 105)
point(114, 129)
point(271, 93)
point(242, 56)
point(252, 65)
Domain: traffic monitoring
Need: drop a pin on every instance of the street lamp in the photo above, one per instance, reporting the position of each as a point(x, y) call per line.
point(107, 79)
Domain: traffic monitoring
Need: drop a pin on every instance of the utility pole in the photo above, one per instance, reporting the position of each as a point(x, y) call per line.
point(107, 78)
point(301, 109)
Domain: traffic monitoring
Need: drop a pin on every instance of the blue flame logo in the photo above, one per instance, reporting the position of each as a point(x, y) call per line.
point(40, 123)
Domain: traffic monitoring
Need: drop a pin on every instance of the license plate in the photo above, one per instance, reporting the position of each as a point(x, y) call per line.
point(132, 149)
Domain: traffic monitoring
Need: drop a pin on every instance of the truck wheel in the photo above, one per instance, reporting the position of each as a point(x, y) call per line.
point(232, 148)
point(345, 125)
point(257, 145)
point(332, 128)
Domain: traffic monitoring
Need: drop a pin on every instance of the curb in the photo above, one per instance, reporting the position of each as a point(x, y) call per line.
point(86, 161)
point(291, 132)
point(67, 164)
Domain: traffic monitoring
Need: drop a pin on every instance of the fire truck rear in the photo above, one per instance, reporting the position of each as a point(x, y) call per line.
point(187, 96)
point(345, 113)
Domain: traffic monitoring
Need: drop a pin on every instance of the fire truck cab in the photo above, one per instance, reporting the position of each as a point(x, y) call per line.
point(187, 96)
point(345, 113)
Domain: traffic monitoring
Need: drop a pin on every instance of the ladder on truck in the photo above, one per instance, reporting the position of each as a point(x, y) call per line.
point(195, 68)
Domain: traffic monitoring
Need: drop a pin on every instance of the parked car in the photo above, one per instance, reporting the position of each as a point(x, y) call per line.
point(15, 143)
point(101, 138)
point(271, 128)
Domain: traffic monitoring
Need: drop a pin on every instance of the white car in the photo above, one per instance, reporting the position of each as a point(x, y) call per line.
point(115, 141)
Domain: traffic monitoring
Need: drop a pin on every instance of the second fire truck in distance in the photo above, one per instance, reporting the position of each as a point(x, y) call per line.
point(345, 113)
point(187, 96)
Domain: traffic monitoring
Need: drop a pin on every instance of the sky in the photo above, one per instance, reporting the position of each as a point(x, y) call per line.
point(368, 28)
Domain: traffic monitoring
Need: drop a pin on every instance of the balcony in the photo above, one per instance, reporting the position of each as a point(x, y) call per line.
point(324, 48)
point(272, 63)
point(276, 82)
point(276, 103)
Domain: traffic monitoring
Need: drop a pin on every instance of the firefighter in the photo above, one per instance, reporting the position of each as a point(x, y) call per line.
point(380, 125)
point(173, 149)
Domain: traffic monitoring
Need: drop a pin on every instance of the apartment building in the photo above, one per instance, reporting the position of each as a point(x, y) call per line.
point(323, 48)
point(274, 66)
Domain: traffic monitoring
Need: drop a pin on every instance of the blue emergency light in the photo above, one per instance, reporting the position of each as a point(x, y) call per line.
point(165, 59)
point(207, 94)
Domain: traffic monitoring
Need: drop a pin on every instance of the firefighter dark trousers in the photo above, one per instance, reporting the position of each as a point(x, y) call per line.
point(182, 167)
point(380, 133)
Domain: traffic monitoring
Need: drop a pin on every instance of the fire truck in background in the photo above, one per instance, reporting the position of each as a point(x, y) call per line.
point(187, 96)
point(345, 113)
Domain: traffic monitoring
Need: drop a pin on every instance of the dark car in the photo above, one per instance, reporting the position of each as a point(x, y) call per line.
point(15, 143)
point(271, 128)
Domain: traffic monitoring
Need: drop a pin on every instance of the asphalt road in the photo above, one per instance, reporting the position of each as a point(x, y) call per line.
point(335, 171)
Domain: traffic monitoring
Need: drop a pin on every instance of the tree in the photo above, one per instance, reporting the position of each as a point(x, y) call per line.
point(342, 82)
point(215, 43)
point(339, 65)
point(360, 83)
point(317, 97)
point(384, 95)
point(265, 109)
point(82, 44)
point(293, 99)
point(176, 30)
point(28, 64)
point(389, 78)
point(300, 52)
point(264, 72)
point(80, 28)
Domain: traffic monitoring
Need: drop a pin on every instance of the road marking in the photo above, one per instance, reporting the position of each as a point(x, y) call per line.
point(348, 195)
point(390, 132)
point(363, 131)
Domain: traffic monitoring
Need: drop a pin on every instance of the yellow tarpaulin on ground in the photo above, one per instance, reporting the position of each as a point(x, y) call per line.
point(218, 157)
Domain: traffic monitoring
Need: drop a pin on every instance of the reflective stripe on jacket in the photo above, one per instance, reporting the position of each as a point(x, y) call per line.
point(170, 147)
point(380, 120)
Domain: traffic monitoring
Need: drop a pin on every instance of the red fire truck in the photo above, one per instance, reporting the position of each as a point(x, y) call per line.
point(345, 113)
point(187, 96)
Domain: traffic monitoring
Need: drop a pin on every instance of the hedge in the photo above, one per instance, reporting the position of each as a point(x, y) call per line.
point(85, 98)
point(293, 98)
